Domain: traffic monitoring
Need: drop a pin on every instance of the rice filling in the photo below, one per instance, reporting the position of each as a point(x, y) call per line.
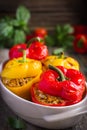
point(16, 82)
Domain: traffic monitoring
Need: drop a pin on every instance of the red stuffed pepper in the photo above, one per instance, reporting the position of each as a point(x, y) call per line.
point(66, 86)
point(40, 97)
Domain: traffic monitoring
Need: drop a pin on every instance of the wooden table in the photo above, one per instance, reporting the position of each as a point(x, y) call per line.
point(5, 111)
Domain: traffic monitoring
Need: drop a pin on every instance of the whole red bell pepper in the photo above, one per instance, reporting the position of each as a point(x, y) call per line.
point(80, 43)
point(17, 50)
point(68, 84)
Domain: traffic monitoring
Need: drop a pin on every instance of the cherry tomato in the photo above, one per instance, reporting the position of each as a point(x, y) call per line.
point(17, 51)
point(41, 32)
point(38, 32)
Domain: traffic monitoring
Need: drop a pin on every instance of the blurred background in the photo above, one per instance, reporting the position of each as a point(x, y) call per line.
point(48, 13)
point(43, 13)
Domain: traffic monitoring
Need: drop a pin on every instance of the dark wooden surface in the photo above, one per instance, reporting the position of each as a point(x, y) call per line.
point(5, 111)
point(48, 13)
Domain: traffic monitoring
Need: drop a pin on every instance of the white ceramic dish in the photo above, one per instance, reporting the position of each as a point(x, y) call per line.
point(44, 116)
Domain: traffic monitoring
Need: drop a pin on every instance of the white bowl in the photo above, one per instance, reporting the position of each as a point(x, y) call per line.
point(40, 115)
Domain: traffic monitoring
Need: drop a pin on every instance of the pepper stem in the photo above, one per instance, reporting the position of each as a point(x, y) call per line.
point(62, 76)
point(24, 55)
point(34, 39)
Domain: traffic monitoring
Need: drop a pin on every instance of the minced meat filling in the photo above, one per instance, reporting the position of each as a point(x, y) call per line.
point(46, 98)
point(15, 82)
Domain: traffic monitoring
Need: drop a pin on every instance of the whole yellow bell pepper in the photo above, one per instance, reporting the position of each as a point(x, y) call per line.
point(67, 62)
point(16, 69)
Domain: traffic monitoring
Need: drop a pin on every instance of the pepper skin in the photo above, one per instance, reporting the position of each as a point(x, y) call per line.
point(17, 51)
point(69, 86)
point(67, 62)
point(38, 50)
point(16, 69)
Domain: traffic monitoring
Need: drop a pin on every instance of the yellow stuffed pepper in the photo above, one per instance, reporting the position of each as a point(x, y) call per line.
point(67, 62)
point(18, 75)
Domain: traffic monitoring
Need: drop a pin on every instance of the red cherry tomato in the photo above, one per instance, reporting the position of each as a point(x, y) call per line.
point(40, 32)
point(17, 51)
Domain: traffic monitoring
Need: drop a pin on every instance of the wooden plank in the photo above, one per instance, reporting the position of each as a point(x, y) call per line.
point(36, 5)
point(47, 12)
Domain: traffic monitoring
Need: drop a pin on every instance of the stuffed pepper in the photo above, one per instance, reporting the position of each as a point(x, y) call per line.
point(18, 75)
point(59, 86)
point(66, 61)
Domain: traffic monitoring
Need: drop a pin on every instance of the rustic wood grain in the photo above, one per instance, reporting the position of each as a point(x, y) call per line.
point(48, 13)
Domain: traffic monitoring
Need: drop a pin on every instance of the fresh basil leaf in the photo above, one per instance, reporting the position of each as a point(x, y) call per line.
point(19, 36)
point(23, 14)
